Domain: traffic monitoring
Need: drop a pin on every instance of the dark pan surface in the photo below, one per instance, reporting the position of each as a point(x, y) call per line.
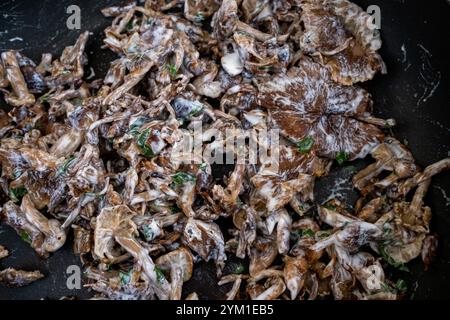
point(415, 92)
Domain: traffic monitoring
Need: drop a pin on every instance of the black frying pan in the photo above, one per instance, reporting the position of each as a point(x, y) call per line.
point(415, 92)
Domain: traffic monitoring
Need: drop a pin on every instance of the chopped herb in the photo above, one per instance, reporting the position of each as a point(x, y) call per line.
point(233, 244)
point(172, 69)
point(65, 72)
point(147, 231)
point(305, 145)
point(239, 269)
point(17, 173)
point(323, 234)
point(159, 275)
point(401, 285)
point(342, 157)
point(132, 49)
point(180, 178)
point(265, 68)
point(130, 25)
point(199, 17)
point(329, 207)
point(387, 288)
point(175, 209)
point(77, 101)
point(63, 168)
point(25, 236)
point(351, 169)
point(308, 233)
point(44, 97)
point(405, 142)
point(125, 277)
point(202, 166)
point(399, 265)
point(196, 109)
point(16, 194)
point(136, 125)
point(141, 141)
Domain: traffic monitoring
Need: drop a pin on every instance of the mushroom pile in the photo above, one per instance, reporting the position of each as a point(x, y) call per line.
point(93, 160)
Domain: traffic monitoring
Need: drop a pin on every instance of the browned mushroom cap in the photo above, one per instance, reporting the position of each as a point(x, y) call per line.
point(305, 103)
point(19, 278)
point(295, 269)
point(206, 239)
point(21, 96)
point(274, 192)
point(354, 235)
point(205, 84)
point(324, 32)
point(29, 158)
point(245, 220)
point(3, 80)
point(262, 254)
point(114, 224)
point(228, 197)
point(180, 264)
point(3, 252)
point(15, 217)
point(429, 250)
point(339, 33)
point(70, 66)
point(390, 156)
point(225, 19)
point(55, 236)
point(198, 11)
point(420, 177)
point(273, 287)
point(192, 296)
point(82, 242)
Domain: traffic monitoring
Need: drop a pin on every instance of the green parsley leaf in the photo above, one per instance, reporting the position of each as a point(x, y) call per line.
point(16, 194)
point(125, 277)
point(265, 68)
point(199, 17)
point(305, 145)
point(175, 209)
point(329, 207)
point(172, 69)
point(202, 166)
point(147, 231)
point(399, 265)
point(180, 178)
point(308, 233)
point(63, 168)
point(401, 285)
point(129, 25)
point(159, 275)
point(239, 269)
point(342, 157)
point(141, 141)
point(134, 127)
point(25, 236)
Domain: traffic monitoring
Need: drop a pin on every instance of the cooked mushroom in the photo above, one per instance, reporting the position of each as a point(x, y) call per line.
point(3, 252)
point(18, 278)
point(179, 262)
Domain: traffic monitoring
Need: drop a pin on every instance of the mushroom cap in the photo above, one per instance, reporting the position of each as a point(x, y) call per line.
point(179, 258)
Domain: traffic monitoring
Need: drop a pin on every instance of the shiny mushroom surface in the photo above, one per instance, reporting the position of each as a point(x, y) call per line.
point(103, 161)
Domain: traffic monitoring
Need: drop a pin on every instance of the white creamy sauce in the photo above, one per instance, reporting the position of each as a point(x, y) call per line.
point(15, 39)
point(232, 63)
point(444, 195)
point(429, 76)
